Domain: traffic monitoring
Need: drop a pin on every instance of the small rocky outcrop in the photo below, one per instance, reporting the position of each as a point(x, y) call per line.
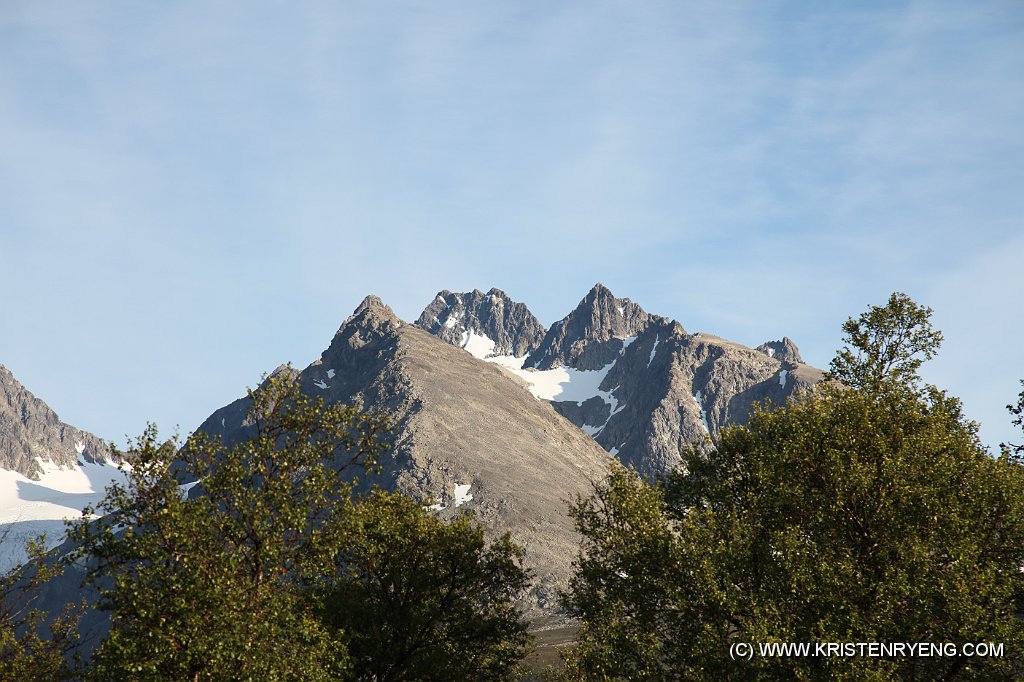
point(784, 350)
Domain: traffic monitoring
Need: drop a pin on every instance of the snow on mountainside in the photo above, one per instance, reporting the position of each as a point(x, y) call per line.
point(31, 507)
point(49, 470)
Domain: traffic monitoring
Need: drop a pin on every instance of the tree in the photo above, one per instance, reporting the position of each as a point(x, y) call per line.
point(886, 343)
point(415, 598)
point(862, 512)
point(34, 647)
point(206, 586)
point(272, 568)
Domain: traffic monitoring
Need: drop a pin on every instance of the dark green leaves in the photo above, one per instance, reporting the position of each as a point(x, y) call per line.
point(415, 598)
point(860, 513)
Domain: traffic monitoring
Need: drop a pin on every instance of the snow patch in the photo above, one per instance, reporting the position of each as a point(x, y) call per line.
point(451, 321)
point(79, 447)
point(613, 452)
point(222, 424)
point(654, 349)
point(565, 384)
point(478, 345)
point(320, 384)
point(625, 344)
point(782, 377)
point(771, 352)
point(330, 374)
point(462, 495)
point(699, 397)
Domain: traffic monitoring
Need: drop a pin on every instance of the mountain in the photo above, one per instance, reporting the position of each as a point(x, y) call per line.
point(641, 385)
point(32, 434)
point(469, 437)
point(499, 417)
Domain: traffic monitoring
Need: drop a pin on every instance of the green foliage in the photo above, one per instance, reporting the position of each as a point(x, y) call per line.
point(33, 647)
point(205, 586)
point(275, 571)
point(643, 586)
point(864, 515)
point(1017, 411)
point(886, 343)
point(415, 598)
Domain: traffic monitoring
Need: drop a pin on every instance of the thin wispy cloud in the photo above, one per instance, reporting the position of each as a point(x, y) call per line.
point(196, 192)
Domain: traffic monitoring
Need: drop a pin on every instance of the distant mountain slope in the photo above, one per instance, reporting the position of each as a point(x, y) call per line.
point(30, 433)
point(48, 470)
point(470, 436)
point(642, 386)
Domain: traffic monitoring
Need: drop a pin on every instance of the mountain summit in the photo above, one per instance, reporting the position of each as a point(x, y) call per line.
point(592, 334)
point(458, 318)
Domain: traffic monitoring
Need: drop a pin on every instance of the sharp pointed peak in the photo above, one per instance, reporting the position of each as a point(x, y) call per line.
point(369, 302)
point(373, 308)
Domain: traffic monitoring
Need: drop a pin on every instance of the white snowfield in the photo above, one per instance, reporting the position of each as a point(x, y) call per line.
point(561, 383)
point(28, 508)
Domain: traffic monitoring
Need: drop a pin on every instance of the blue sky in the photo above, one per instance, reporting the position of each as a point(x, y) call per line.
point(192, 193)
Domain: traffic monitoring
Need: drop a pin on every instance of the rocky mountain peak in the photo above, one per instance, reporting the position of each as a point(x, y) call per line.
point(372, 308)
point(593, 334)
point(30, 431)
point(783, 351)
point(494, 320)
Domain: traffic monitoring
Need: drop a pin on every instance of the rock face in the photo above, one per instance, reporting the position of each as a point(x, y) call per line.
point(644, 388)
point(592, 335)
point(470, 437)
point(455, 318)
point(31, 431)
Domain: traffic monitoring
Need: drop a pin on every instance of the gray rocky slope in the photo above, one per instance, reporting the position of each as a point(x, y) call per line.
point(657, 389)
point(466, 429)
point(30, 431)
